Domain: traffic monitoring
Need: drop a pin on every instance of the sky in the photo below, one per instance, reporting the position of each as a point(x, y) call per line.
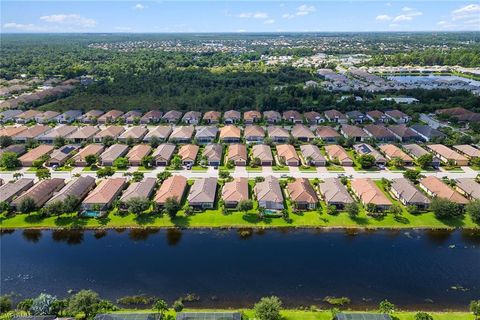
point(37, 16)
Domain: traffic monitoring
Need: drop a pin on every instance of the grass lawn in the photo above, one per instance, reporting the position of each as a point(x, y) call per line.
point(254, 169)
point(3, 169)
point(453, 169)
point(249, 314)
point(335, 168)
point(199, 168)
point(90, 168)
point(64, 169)
point(32, 169)
point(281, 168)
point(143, 169)
point(224, 168)
point(308, 169)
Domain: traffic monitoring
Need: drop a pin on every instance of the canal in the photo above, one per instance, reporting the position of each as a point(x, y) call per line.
point(233, 268)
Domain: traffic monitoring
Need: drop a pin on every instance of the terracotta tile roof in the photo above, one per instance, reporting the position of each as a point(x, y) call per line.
point(406, 190)
point(86, 132)
point(236, 190)
point(141, 189)
point(182, 132)
point(337, 152)
point(36, 153)
point(287, 152)
point(237, 152)
point(173, 187)
point(301, 191)
point(263, 152)
point(95, 149)
point(392, 151)
point(327, 132)
point(269, 190)
point(468, 150)
point(110, 131)
point(333, 191)
point(301, 131)
point(138, 152)
point(254, 131)
point(439, 189)
point(230, 131)
point(353, 131)
point(105, 191)
point(203, 191)
point(446, 152)
point(252, 115)
point(188, 152)
point(368, 192)
point(279, 132)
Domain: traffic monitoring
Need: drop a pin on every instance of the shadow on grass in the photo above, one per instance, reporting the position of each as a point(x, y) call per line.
point(181, 221)
point(145, 218)
point(401, 219)
point(34, 218)
point(456, 222)
point(254, 218)
point(73, 221)
point(363, 221)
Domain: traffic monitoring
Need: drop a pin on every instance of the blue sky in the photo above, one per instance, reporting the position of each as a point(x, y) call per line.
point(238, 16)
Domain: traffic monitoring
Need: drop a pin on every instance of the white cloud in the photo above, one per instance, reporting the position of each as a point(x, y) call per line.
point(241, 30)
point(302, 10)
point(70, 19)
point(139, 6)
point(253, 15)
point(269, 21)
point(383, 17)
point(469, 12)
point(446, 24)
point(407, 14)
point(24, 27)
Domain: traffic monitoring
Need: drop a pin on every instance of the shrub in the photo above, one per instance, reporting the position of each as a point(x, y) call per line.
point(178, 305)
point(268, 308)
point(423, 316)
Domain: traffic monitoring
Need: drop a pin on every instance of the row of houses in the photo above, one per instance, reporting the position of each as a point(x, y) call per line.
point(196, 117)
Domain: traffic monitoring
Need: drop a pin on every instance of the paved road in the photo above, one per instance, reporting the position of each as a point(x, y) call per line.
point(321, 173)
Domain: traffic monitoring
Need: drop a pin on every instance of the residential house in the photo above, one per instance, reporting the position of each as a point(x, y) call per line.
point(137, 153)
point(9, 115)
point(231, 117)
point(206, 134)
point(264, 153)
point(336, 153)
point(139, 190)
point(335, 193)
point(61, 131)
point(252, 116)
point(212, 117)
point(368, 192)
point(435, 187)
point(111, 131)
point(397, 116)
point(355, 117)
point(102, 197)
point(27, 116)
point(192, 117)
point(202, 193)
point(353, 132)
point(328, 134)
point(40, 193)
point(254, 134)
point(269, 194)
point(292, 116)
point(468, 187)
point(461, 114)
point(91, 116)
point(335, 116)
point(230, 134)
point(302, 194)
point(313, 117)
point(404, 133)
point(364, 149)
point(18, 149)
point(416, 152)
point(234, 192)
point(404, 190)
point(161, 133)
point(163, 154)
point(272, 117)
point(31, 133)
point(47, 117)
point(213, 154)
point(112, 153)
point(188, 154)
point(12, 131)
point(83, 134)
point(467, 150)
point(10, 190)
point(151, 117)
point(110, 116)
point(135, 134)
point(91, 149)
point(78, 187)
point(287, 154)
point(69, 116)
point(379, 133)
point(42, 151)
point(132, 117)
point(302, 133)
point(377, 116)
point(278, 134)
point(182, 134)
point(392, 151)
point(172, 188)
point(447, 155)
point(172, 116)
point(427, 133)
point(238, 154)
point(59, 156)
point(312, 156)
